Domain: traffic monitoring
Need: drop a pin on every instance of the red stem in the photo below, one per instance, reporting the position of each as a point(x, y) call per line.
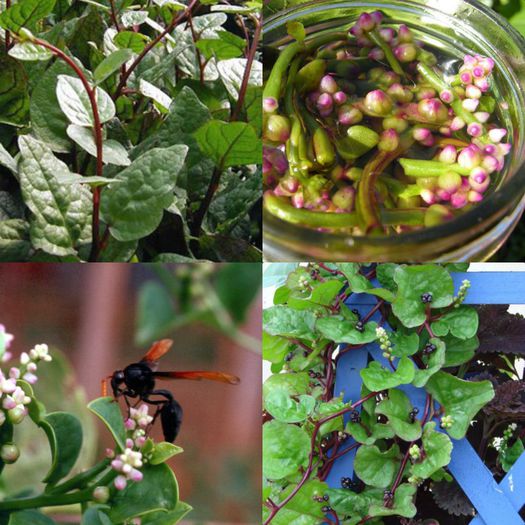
point(7, 33)
point(373, 311)
point(97, 131)
point(114, 16)
point(197, 51)
point(309, 469)
point(249, 63)
point(176, 20)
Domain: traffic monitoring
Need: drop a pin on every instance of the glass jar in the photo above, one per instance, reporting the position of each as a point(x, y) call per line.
point(458, 27)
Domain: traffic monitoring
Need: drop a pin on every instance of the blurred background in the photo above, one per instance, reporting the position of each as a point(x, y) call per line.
point(102, 317)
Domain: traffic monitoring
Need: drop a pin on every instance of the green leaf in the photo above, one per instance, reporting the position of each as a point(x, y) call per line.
point(385, 276)
point(237, 286)
point(322, 294)
point(413, 282)
point(459, 351)
point(74, 102)
point(15, 245)
point(162, 101)
point(25, 13)
point(29, 517)
point(155, 312)
point(158, 490)
point(461, 322)
point(134, 208)
point(377, 468)
point(397, 408)
point(30, 52)
point(111, 64)
point(405, 344)
point(64, 432)
point(167, 518)
point(437, 449)
point(283, 408)
point(108, 411)
point(229, 143)
point(133, 18)
point(164, 451)
point(218, 48)
point(61, 215)
point(113, 152)
point(8, 161)
point(347, 502)
point(433, 363)
point(377, 378)
point(293, 383)
point(302, 507)
point(342, 331)
point(461, 399)
point(296, 30)
point(14, 97)
point(131, 40)
point(94, 516)
point(47, 119)
point(287, 322)
point(285, 449)
point(232, 71)
point(403, 504)
point(509, 455)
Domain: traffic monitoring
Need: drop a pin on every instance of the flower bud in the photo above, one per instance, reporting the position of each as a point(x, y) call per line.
point(474, 196)
point(101, 494)
point(270, 105)
point(120, 482)
point(340, 97)
point(457, 124)
point(479, 180)
point(366, 22)
point(466, 77)
point(396, 123)
point(9, 453)
point(447, 96)
point(328, 85)
point(428, 183)
point(421, 134)
point(497, 135)
point(400, 93)
point(482, 116)
point(490, 163)
point(378, 102)
point(470, 104)
point(459, 200)
point(406, 53)
point(425, 93)
point(436, 215)
point(449, 155)
point(483, 84)
point(433, 110)
point(428, 196)
point(473, 91)
point(348, 115)
point(376, 54)
point(389, 140)
point(17, 414)
point(404, 34)
point(443, 195)
point(475, 130)
point(470, 158)
point(298, 200)
point(277, 129)
point(344, 199)
point(354, 174)
point(450, 181)
point(325, 104)
point(387, 34)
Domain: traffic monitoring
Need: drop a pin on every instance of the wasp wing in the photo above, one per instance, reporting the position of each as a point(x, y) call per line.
point(198, 375)
point(156, 351)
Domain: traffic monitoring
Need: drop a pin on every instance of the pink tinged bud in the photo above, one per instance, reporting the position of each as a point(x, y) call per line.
point(433, 110)
point(478, 72)
point(17, 414)
point(389, 140)
point(490, 163)
point(348, 115)
point(101, 494)
point(429, 142)
point(474, 196)
point(378, 102)
point(443, 196)
point(400, 93)
point(364, 41)
point(483, 84)
point(504, 106)
point(479, 180)
point(30, 378)
point(466, 77)
point(328, 85)
point(8, 403)
point(344, 199)
point(504, 149)
point(136, 475)
point(129, 424)
point(298, 200)
point(366, 22)
point(340, 97)
point(377, 17)
point(425, 93)
point(482, 116)
point(110, 453)
point(406, 53)
point(139, 442)
point(356, 30)
point(428, 196)
point(325, 103)
point(9, 453)
point(117, 464)
point(473, 92)
point(457, 124)
point(32, 367)
point(313, 97)
point(450, 182)
point(421, 134)
point(446, 131)
point(267, 167)
point(270, 105)
point(497, 135)
point(277, 128)
point(376, 54)
point(404, 34)
point(387, 34)
point(459, 200)
point(129, 443)
point(449, 155)
point(6, 357)
point(487, 64)
point(470, 104)
point(436, 215)
point(120, 482)
point(469, 158)
point(475, 130)
point(490, 149)
point(447, 96)
point(14, 373)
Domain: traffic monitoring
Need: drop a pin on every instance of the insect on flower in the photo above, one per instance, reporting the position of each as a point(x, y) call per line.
point(138, 380)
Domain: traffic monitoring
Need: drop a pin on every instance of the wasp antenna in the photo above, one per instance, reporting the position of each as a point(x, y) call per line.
point(104, 386)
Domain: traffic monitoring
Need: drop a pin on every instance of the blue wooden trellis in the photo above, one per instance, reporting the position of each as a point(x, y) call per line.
point(495, 503)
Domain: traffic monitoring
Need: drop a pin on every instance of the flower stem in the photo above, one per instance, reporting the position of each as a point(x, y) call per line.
point(387, 50)
point(430, 168)
point(80, 480)
point(45, 500)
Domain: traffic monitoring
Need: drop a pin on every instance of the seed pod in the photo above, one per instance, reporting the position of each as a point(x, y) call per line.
point(277, 129)
point(323, 148)
point(310, 75)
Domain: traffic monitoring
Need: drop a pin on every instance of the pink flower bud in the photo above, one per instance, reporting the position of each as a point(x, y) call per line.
point(110, 453)
point(366, 22)
point(101, 494)
point(298, 200)
point(428, 196)
point(433, 110)
point(277, 129)
point(437, 214)
point(117, 464)
point(9, 453)
point(377, 17)
point(483, 84)
point(405, 53)
point(313, 97)
point(459, 200)
point(470, 61)
point(30, 378)
point(475, 130)
point(139, 442)
point(421, 134)
point(404, 34)
point(120, 482)
point(348, 115)
point(8, 403)
point(497, 135)
point(340, 97)
point(387, 34)
point(457, 124)
point(450, 182)
point(478, 72)
point(325, 104)
point(344, 199)
point(443, 196)
point(466, 77)
point(490, 163)
point(400, 93)
point(482, 116)
point(376, 54)
point(447, 96)
point(479, 180)
point(445, 131)
point(328, 85)
point(473, 92)
point(504, 149)
point(474, 196)
point(449, 155)
point(378, 102)
point(17, 414)
point(364, 41)
point(270, 105)
point(389, 140)
point(469, 158)
point(470, 104)
point(14, 373)
point(487, 64)
point(425, 93)
point(136, 475)
point(490, 149)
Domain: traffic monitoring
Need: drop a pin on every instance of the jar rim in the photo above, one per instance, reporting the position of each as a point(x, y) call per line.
point(510, 191)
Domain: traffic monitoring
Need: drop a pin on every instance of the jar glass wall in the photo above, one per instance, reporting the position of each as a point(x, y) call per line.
point(457, 28)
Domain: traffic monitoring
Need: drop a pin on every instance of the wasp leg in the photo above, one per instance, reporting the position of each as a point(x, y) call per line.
point(170, 413)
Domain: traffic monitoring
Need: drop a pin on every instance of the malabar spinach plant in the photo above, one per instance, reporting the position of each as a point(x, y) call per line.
point(428, 338)
point(129, 130)
point(132, 480)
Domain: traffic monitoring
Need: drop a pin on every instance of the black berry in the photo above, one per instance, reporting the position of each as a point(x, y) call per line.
point(326, 508)
point(347, 483)
point(429, 348)
point(426, 298)
point(360, 327)
point(355, 417)
point(413, 414)
point(289, 357)
point(326, 497)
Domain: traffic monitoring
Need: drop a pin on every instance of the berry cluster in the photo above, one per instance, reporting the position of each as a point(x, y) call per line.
point(415, 453)
point(447, 422)
point(429, 348)
point(462, 293)
point(426, 298)
point(384, 342)
point(413, 414)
